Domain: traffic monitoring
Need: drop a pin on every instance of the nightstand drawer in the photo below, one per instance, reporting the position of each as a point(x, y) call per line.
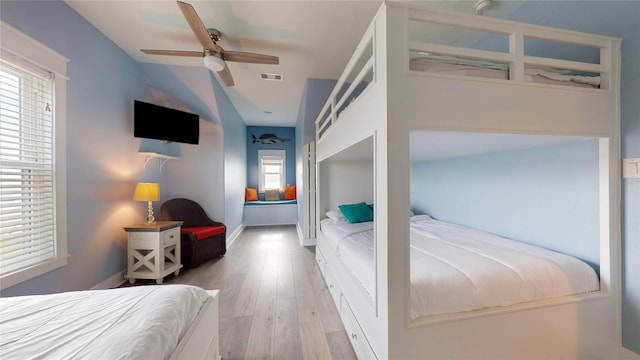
point(143, 239)
point(171, 236)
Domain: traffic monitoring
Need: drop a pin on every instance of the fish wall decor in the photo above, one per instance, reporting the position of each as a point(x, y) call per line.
point(268, 139)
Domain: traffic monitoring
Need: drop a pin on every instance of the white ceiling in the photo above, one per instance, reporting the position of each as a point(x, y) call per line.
point(314, 39)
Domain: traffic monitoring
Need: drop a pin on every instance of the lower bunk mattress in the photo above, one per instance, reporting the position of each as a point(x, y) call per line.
point(456, 268)
point(142, 322)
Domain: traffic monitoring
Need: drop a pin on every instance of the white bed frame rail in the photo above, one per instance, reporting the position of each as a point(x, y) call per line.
point(329, 113)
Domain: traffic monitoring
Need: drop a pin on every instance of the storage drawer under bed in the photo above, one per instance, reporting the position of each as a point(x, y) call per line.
point(329, 279)
point(358, 340)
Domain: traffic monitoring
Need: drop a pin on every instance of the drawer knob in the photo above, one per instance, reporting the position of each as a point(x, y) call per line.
point(170, 236)
point(354, 336)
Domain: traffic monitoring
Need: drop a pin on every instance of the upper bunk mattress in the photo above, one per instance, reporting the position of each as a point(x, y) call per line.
point(456, 268)
point(466, 67)
point(142, 322)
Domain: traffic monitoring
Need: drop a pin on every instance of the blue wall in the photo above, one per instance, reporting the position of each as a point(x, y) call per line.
point(235, 160)
point(545, 196)
point(619, 19)
point(289, 145)
point(103, 164)
point(102, 160)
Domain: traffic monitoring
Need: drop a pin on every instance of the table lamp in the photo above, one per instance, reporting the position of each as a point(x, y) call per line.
point(147, 192)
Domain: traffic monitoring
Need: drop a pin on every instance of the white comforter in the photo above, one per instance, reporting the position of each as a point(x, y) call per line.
point(455, 268)
point(142, 322)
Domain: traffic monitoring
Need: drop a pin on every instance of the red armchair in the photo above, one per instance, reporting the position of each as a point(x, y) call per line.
point(201, 238)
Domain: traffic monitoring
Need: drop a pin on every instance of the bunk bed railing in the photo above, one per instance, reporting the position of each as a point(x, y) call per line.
point(516, 59)
point(517, 33)
point(357, 77)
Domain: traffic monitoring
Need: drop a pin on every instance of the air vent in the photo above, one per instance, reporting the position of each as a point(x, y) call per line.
point(272, 77)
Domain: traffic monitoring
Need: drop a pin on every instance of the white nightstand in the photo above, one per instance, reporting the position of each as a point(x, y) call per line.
point(153, 250)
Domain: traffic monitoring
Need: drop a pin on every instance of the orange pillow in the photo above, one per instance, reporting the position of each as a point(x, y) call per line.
point(290, 192)
point(250, 194)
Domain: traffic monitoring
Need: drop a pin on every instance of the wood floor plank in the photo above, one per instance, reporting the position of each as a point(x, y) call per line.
point(262, 336)
point(234, 336)
point(229, 294)
point(287, 344)
point(245, 305)
point(340, 345)
point(304, 290)
point(286, 284)
point(314, 341)
point(266, 296)
point(327, 308)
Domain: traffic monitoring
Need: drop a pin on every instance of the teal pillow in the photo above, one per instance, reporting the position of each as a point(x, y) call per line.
point(357, 213)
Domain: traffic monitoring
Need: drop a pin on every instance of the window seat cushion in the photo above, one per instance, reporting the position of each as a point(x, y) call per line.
point(278, 202)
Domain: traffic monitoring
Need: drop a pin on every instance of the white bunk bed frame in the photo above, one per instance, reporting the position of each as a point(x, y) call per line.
point(397, 100)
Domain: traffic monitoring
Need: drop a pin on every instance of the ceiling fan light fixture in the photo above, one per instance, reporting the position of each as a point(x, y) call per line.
point(214, 56)
point(481, 6)
point(213, 63)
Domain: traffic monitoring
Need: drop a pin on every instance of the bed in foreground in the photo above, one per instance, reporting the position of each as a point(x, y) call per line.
point(142, 322)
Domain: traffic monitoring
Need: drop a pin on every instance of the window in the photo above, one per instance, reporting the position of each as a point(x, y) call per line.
point(32, 168)
point(272, 169)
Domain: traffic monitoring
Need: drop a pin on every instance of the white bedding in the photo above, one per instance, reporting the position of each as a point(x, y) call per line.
point(455, 268)
point(468, 67)
point(142, 322)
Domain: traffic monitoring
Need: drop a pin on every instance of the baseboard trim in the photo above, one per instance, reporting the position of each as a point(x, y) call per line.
point(112, 282)
point(304, 241)
point(626, 354)
point(234, 235)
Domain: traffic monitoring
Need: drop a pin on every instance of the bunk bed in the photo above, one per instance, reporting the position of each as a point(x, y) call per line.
point(455, 268)
point(142, 322)
point(402, 80)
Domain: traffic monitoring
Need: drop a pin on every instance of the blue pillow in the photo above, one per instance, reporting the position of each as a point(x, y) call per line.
point(356, 213)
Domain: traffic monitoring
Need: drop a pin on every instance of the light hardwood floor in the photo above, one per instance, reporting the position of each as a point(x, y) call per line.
point(274, 303)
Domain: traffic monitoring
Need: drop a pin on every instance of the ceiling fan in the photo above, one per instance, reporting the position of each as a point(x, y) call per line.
point(214, 56)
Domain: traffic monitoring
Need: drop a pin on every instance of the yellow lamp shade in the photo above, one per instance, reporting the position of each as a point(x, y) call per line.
point(147, 192)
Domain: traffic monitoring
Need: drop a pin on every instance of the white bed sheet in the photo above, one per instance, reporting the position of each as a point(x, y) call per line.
point(142, 322)
point(456, 269)
point(485, 70)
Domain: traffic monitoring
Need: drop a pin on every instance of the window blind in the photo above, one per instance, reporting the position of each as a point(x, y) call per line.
point(27, 204)
point(271, 169)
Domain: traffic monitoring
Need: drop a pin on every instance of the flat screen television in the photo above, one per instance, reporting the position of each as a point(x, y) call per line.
point(158, 122)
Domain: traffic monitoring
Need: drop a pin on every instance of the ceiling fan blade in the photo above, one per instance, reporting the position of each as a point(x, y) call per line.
point(225, 76)
point(173, 52)
point(196, 25)
point(245, 57)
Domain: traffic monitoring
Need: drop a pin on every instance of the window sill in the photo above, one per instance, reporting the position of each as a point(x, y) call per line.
point(16, 277)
